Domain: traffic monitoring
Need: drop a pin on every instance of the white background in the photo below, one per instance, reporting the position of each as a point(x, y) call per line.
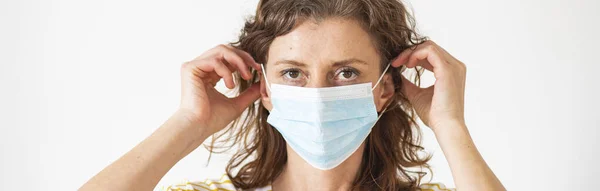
point(82, 82)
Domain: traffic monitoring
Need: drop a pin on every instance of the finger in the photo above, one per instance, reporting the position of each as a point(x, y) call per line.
point(247, 58)
point(414, 61)
point(231, 57)
point(424, 64)
point(248, 61)
point(219, 68)
point(444, 54)
point(247, 97)
point(428, 57)
point(401, 59)
point(222, 70)
point(450, 60)
point(234, 69)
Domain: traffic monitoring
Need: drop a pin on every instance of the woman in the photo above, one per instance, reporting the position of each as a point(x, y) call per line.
point(327, 108)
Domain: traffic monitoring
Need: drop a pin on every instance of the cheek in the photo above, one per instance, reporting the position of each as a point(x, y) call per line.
point(380, 106)
point(378, 100)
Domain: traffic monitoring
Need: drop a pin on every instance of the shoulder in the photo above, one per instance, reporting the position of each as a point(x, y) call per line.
point(221, 184)
point(434, 187)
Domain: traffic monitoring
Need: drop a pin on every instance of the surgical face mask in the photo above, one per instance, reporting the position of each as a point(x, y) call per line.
point(323, 125)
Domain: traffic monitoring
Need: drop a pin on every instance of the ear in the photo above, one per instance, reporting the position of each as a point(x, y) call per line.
point(265, 95)
point(385, 92)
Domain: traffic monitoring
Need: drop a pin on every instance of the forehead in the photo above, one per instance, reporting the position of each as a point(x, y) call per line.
point(326, 41)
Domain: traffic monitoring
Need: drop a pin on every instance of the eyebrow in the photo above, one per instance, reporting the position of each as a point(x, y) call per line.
point(349, 61)
point(335, 64)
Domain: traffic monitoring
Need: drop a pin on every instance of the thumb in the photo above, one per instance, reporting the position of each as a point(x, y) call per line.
point(247, 97)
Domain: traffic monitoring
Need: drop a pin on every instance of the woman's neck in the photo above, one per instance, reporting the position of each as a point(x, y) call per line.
point(299, 175)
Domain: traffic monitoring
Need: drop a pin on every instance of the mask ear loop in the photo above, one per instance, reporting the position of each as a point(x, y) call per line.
point(379, 80)
point(384, 110)
point(264, 76)
point(381, 77)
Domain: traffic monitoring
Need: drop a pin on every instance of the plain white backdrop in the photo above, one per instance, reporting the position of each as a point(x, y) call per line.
point(82, 82)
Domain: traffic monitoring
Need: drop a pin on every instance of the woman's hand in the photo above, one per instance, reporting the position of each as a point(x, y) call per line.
point(441, 107)
point(443, 102)
point(203, 111)
point(201, 103)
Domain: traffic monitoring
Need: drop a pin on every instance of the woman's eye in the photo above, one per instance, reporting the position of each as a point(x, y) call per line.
point(292, 73)
point(347, 74)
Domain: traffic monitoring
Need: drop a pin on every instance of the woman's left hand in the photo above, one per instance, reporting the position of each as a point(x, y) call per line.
point(442, 103)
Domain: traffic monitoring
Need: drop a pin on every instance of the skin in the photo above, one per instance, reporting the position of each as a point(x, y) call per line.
point(316, 50)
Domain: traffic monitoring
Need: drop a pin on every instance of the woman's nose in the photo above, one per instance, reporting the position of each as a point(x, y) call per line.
point(319, 81)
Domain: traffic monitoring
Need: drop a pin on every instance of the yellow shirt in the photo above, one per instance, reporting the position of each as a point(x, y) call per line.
point(224, 184)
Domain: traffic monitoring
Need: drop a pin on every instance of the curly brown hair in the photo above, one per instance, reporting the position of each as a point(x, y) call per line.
point(393, 145)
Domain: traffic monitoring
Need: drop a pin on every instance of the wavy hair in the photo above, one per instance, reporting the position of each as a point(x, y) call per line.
point(392, 147)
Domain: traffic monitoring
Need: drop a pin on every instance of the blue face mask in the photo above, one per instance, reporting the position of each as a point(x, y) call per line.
point(323, 125)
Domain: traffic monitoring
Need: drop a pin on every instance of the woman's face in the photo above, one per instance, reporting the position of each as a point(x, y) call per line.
point(334, 52)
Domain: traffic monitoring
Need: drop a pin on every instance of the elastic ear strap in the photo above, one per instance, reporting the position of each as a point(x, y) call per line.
point(381, 77)
point(381, 114)
point(264, 74)
point(385, 108)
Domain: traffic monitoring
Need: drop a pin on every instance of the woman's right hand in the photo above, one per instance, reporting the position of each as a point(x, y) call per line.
point(202, 112)
point(201, 104)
